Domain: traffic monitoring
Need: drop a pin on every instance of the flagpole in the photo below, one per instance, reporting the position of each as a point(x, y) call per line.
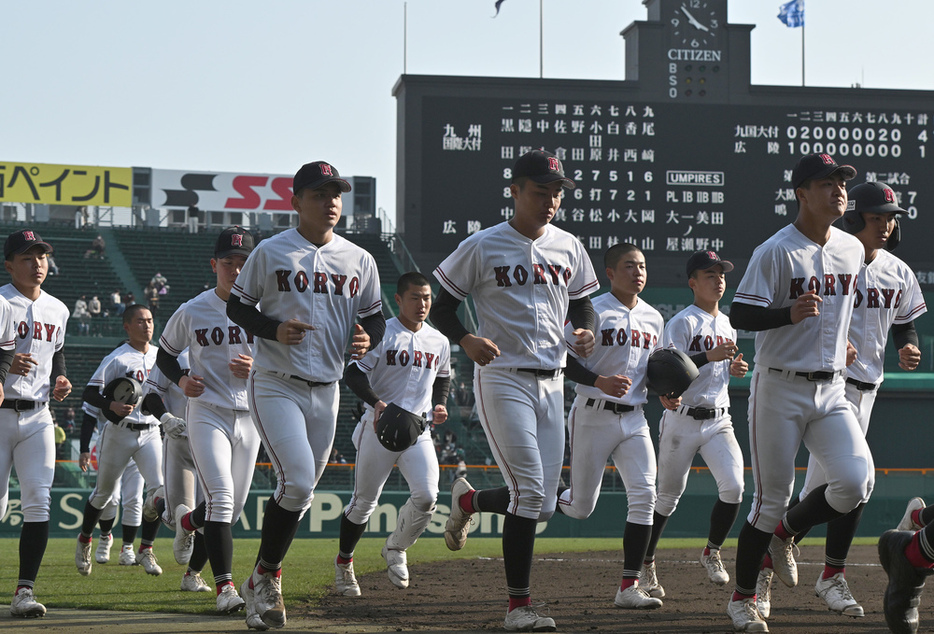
point(405, 37)
point(541, 41)
point(802, 55)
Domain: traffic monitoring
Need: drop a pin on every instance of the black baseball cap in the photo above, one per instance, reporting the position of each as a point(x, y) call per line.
point(875, 198)
point(317, 174)
point(22, 241)
point(542, 167)
point(233, 241)
point(703, 260)
point(815, 166)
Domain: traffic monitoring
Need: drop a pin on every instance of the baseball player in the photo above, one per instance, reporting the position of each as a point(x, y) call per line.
point(32, 326)
point(161, 397)
point(132, 434)
point(410, 367)
point(907, 555)
point(313, 284)
point(128, 492)
point(887, 296)
point(224, 441)
point(798, 293)
point(702, 423)
point(606, 419)
point(526, 277)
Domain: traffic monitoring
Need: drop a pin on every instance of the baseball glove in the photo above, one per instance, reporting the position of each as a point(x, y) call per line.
point(398, 429)
point(173, 426)
point(670, 372)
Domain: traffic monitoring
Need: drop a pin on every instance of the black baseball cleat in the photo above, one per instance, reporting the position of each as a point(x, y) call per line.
point(903, 594)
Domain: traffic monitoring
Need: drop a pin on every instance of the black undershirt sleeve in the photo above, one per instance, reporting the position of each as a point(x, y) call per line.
point(6, 360)
point(444, 316)
point(251, 319)
point(904, 334)
point(93, 396)
point(579, 374)
point(358, 382)
point(375, 326)
point(581, 314)
point(756, 318)
point(440, 390)
point(58, 365)
point(699, 359)
point(88, 423)
point(169, 366)
point(154, 405)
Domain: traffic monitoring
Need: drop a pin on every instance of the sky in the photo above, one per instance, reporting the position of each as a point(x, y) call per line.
point(265, 87)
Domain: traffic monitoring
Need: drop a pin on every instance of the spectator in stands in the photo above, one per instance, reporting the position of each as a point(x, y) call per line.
point(53, 267)
point(159, 281)
point(337, 457)
point(69, 423)
point(98, 246)
point(94, 307)
point(449, 449)
point(129, 299)
point(82, 218)
point(83, 316)
point(152, 298)
point(116, 303)
point(59, 440)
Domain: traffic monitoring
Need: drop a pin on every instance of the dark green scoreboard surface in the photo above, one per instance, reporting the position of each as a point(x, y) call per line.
point(671, 177)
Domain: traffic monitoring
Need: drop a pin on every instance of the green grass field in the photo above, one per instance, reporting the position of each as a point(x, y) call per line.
point(308, 571)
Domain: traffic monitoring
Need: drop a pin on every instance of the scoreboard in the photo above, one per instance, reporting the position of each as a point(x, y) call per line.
point(658, 161)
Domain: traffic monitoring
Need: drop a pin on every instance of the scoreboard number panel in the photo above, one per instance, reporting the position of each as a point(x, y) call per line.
point(671, 177)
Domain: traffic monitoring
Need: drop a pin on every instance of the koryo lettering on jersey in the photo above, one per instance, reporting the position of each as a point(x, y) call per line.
point(418, 359)
point(636, 338)
point(830, 286)
point(540, 274)
point(335, 283)
point(233, 336)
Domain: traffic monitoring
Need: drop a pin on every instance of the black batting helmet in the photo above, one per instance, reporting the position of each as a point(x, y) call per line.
point(124, 389)
point(670, 372)
point(398, 429)
point(872, 198)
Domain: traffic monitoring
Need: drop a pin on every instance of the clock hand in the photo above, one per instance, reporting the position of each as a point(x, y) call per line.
point(693, 20)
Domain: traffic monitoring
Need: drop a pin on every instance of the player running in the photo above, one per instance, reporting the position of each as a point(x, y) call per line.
point(526, 277)
point(887, 296)
point(163, 399)
point(798, 294)
point(128, 494)
point(606, 419)
point(313, 285)
point(132, 434)
point(410, 367)
point(32, 327)
point(221, 434)
point(702, 423)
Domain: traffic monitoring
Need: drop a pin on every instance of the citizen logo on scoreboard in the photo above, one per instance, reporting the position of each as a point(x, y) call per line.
point(690, 177)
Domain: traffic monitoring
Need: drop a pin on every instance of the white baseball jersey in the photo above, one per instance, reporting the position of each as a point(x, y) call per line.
point(127, 361)
point(7, 327)
point(201, 325)
point(328, 286)
point(625, 339)
point(403, 367)
point(788, 265)
point(521, 289)
point(40, 331)
point(887, 293)
point(172, 396)
point(694, 330)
